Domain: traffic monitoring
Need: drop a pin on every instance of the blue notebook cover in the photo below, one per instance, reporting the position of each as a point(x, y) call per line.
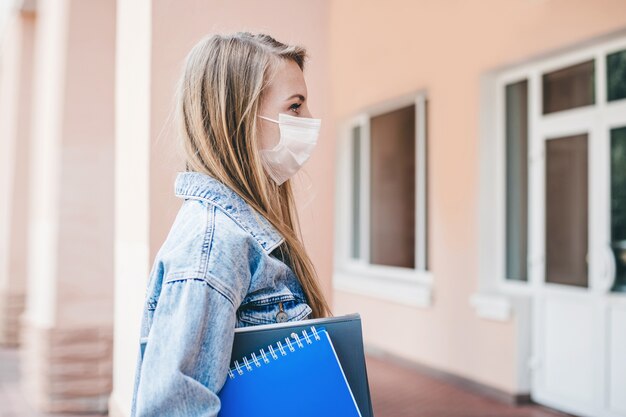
point(300, 375)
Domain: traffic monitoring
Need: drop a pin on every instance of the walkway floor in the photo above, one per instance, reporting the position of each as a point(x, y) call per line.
point(400, 392)
point(396, 392)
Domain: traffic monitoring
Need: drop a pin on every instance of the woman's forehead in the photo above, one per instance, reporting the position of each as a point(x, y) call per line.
point(287, 81)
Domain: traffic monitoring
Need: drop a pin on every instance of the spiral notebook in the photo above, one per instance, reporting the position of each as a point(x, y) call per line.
point(346, 334)
point(299, 375)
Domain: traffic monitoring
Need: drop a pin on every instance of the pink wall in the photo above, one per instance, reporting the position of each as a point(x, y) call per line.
point(379, 51)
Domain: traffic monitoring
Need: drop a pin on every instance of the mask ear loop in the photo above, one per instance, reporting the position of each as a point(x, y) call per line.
point(271, 120)
point(280, 138)
point(288, 122)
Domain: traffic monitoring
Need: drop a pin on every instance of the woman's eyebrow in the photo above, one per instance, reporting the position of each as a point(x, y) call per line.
point(300, 96)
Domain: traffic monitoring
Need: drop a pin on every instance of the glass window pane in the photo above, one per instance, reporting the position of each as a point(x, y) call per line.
point(618, 205)
point(516, 180)
point(616, 75)
point(392, 182)
point(569, 87)
point(566, 210)
point(427, 252)
point(356, 192)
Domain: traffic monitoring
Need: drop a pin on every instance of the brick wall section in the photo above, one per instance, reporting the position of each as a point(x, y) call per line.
point(11, 308)
point(67, 370)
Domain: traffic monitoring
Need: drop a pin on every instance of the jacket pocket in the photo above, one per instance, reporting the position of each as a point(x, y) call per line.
point(273, 308)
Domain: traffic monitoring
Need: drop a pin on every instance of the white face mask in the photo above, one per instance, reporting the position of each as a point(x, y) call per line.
point(298, 137)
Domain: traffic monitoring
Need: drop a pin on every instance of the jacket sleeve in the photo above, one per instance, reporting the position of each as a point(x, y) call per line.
point(187, 355)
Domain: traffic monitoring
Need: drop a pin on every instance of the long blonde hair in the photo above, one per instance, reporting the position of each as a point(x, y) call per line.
point(218, 98)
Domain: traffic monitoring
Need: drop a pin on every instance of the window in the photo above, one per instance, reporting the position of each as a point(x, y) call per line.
point(382, 201)
point(356, 192)
point(566, 210)
point(618, 205)
point(392, 188)
point(558, 127)
point(569, 87)
point(616, 75)
point(516, 149)
point(388, 178)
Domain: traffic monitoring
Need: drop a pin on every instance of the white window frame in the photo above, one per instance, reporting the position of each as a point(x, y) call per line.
point(497, 296)
point(410, 286)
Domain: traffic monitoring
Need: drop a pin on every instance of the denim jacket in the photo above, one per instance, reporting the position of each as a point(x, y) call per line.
point(218, 269)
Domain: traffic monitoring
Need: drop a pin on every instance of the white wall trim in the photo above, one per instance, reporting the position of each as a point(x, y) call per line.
point(410, 293)
point(496, 307)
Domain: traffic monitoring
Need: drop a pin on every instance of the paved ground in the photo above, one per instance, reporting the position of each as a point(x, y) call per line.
point(396, 392)
point(400, 392)
point(12, 403)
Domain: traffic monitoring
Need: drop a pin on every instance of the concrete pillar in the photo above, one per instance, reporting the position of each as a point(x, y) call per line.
point(132, 184)
point(15, 118)
point(66, 353)
point(153, 38)
point(150, 51)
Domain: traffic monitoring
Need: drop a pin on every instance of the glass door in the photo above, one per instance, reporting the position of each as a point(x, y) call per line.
point(566, 211)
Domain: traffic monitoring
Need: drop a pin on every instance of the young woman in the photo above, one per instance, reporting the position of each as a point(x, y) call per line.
point(232, 257)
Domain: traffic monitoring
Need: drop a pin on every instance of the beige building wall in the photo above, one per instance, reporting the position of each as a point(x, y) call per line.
point(378, 52)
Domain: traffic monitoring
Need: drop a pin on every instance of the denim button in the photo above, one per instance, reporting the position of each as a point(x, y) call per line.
point(281, 316)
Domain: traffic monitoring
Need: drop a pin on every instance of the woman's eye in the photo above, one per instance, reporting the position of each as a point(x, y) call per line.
point(295, 106)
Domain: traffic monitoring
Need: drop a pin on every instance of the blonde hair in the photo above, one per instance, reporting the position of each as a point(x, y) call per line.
point(217, 102)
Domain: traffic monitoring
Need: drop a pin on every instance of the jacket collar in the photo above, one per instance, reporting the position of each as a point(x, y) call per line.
point(200, 186)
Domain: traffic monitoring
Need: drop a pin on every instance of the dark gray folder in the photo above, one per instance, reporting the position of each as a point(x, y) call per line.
point(346, 336)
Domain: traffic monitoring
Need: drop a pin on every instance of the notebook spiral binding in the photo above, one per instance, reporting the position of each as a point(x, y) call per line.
point(272, 352)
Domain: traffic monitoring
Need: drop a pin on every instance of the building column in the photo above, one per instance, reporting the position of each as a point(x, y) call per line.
point(15, 118)
point(150, 52)
point(66, 350)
